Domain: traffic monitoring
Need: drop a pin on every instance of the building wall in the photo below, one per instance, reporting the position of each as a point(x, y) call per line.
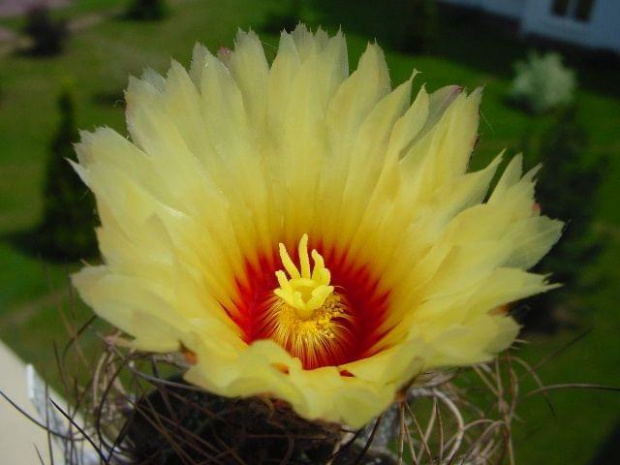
point(538, 19)
point(535, 17)
point(606, 25)
point(601, 31)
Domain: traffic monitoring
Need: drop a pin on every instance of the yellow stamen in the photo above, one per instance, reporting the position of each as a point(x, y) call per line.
point(322, 336)
point(304, 290)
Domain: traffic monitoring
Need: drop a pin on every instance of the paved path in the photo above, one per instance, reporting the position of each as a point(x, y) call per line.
point(19, 7)
point(11, 41)
point(6, 34)
point(19, 437)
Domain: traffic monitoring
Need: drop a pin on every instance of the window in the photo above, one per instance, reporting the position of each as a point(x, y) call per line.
point(579, 10)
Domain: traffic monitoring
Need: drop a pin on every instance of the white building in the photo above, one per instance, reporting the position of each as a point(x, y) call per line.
point(590, 23)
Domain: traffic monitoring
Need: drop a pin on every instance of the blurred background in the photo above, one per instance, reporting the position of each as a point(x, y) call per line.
point(551, 76)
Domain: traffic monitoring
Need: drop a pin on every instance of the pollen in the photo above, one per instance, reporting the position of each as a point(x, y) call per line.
point(323, 336)
point(303, 290)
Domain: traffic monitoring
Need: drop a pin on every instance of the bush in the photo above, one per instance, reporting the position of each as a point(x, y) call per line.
point(542, 83)
point(284, 16)
point(406, 25)
point(67, 230)
point(567, 190)
point(147, 10)
point(48, 36)
point(422, 31)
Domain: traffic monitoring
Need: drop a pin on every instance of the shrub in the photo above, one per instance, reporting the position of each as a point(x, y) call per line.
point(284, 16)
point(568, 189)
point(147, 10)
point(542, 83)
point(67, 230)
point(422, 31)
point(405, 25)
point(47, 35)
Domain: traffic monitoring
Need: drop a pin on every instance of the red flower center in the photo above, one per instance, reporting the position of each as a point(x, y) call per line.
point(348, 325)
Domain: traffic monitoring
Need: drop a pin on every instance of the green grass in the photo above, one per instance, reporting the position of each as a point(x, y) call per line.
point(97, 62)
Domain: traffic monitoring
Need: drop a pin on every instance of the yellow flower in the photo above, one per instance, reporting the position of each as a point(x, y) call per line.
point(304, 233)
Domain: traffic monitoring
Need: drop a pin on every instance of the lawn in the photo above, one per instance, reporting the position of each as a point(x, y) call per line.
point(96, 64)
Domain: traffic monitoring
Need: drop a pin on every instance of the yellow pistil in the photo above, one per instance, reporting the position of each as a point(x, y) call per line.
point(305, 290)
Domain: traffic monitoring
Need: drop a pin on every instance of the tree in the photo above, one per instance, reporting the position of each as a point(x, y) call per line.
point(67, 229)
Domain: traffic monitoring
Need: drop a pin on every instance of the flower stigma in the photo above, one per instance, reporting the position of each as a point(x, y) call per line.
point(308, 318)
point(306, 290)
